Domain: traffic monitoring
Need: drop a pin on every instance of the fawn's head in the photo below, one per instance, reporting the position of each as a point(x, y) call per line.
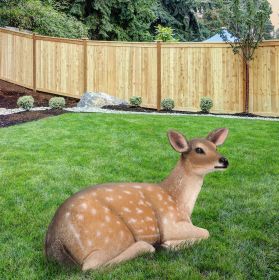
point(201, 154)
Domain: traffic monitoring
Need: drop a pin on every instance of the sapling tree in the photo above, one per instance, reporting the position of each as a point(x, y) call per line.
point(246, 20)
point(165, 34)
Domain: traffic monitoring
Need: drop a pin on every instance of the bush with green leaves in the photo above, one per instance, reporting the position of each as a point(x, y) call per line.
point(167, 104)
point(165, 34)
point(57, 103)
point(135, 101)
point(206, 104)
point(25, 102)
point(42, 18)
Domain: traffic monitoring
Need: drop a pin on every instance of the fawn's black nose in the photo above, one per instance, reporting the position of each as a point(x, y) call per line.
point(224, 161)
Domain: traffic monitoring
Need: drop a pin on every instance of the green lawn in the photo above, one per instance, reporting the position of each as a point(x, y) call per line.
point(44, 162)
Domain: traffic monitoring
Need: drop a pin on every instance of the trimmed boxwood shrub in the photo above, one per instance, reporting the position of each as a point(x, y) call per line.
point(135, 101)
point(25, 102)
point(206, 104)
point(57, 103)
point(167, 104)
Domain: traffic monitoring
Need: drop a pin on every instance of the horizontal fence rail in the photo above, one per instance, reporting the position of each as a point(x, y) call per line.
point(182, 71)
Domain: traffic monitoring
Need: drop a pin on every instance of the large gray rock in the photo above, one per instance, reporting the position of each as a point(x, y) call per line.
point(98, 100)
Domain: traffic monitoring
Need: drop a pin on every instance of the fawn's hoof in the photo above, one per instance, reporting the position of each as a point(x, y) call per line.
point(206, 234)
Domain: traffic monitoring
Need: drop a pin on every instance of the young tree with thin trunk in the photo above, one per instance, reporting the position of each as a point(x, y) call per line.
point(246, 21)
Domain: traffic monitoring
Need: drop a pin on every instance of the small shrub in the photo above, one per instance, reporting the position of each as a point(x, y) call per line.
point(135, 101)
point(25, 102)
point(167, 104)
point(165, 34)
point(206, 104)
point(57, 103)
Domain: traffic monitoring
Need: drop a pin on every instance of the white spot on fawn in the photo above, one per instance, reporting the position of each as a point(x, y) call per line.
point(127, 192)
point(107, 240)
point(141, 194)
point(109, 190)
point(160, 197)
point(131, 201)
point(138, 210)
point(132, 221)
point(137, 187)
point(120, 197)
point(127, 210)
point(107, 218)
point(93, 211)
point(140, 202)
point(121, 234)
point(118, 222)
point(152, 228)
point(108, 198)
point(106, 209)
point(98, 233)
point(83, 205)
point(93, 194)
point(165, 221)
point(140, 230)
point(171, 208)
point(148, 219)
point(170, 199)
point(89, 242)
point(80, 217)
point(67, 215)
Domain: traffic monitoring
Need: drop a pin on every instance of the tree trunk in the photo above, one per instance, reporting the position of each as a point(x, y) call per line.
point(247, 86)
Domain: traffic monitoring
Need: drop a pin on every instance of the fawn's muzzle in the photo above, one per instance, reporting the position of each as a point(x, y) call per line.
point(224, 162)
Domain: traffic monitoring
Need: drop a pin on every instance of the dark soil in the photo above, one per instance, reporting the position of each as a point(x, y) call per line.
point(27, 116)
point(9, 93)
point(149, 110)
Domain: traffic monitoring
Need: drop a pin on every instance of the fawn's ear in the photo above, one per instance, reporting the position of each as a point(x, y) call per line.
point(218, 136)
point(178, 141)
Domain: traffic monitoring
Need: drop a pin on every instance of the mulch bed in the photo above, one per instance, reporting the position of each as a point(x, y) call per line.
point(9, 93)
point(27, 116)
point(130, 108)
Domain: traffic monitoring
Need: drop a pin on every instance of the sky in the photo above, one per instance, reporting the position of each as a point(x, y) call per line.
point(275, 9)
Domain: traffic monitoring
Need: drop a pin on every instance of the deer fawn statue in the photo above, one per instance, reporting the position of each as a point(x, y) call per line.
point(111, 223)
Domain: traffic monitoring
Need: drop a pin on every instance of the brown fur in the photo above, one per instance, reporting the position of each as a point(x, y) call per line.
point(110, 223)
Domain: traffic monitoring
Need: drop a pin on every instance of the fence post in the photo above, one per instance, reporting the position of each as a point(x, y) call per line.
point(34, 64)
point(85, 63)
point(159, 74)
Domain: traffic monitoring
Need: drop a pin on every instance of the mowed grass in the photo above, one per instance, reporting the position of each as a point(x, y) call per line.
point(44, 162)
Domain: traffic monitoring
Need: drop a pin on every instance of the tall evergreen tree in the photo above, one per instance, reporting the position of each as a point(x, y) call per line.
point(40, 17)
point(113, 20)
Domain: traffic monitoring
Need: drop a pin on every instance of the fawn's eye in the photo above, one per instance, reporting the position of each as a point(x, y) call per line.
point(199, 151)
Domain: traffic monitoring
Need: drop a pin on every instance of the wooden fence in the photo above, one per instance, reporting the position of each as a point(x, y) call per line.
point(182, 71)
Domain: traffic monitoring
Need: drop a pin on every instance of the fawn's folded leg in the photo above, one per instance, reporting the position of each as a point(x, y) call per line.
point(131, 252)
point(184, 231)
point(101, 258)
